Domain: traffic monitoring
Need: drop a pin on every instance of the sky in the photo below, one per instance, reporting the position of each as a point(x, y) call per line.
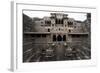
point(41, 14)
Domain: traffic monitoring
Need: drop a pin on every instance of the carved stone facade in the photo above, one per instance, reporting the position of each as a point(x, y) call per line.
point(57, 38)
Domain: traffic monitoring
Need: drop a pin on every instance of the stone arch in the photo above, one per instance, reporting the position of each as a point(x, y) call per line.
point(54, 37)
point(69, 30)
point(48, 30)
point(59, 38)
point(64, 37)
